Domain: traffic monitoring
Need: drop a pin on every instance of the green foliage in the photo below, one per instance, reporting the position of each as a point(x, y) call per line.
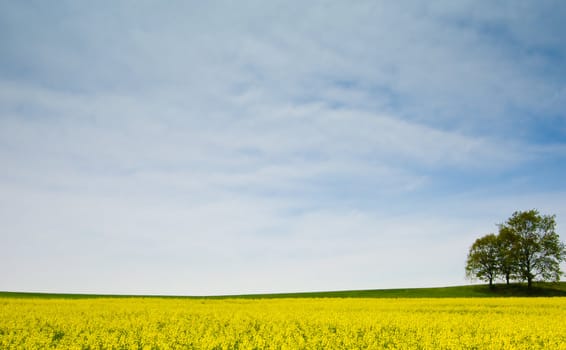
point(527, 248)
point(506, 257)
point(483, 259)
point(536, 250)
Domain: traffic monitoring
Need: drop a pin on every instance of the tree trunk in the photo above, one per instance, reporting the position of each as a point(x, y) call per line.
point(490, 282)
point(529, 282)
point(507, 278)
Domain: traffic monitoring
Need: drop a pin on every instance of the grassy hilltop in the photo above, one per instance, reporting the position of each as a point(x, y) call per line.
point(472, 291)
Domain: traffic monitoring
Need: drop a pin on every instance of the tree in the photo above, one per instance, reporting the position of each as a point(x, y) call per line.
point(483, 262)
point(535, 248)
point(506, 257)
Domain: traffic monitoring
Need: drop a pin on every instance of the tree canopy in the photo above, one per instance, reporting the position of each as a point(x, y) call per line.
point(527, 248)
point(483, 259)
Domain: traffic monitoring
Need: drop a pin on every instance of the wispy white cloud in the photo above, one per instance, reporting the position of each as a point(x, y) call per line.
point(273, 147)
point(217, 148)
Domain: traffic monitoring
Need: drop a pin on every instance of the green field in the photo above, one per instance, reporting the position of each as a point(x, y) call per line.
point(472, 291)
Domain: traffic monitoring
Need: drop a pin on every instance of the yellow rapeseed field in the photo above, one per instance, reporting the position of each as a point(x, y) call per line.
point(169, 323)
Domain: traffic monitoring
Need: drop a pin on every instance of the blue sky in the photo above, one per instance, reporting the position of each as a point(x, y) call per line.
point(233, 147)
